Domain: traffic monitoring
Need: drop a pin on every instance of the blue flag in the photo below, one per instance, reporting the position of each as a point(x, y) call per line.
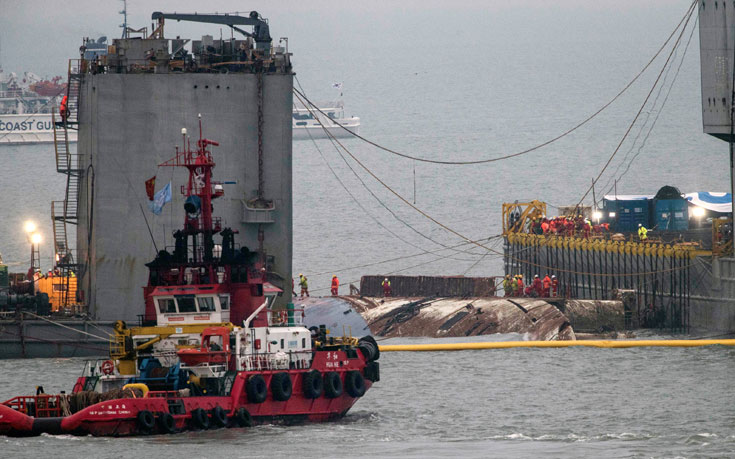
point(160, 199)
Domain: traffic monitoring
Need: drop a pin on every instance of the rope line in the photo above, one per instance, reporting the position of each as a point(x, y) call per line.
point(655, 120)
point(640, 110)
point(378, 200)
point(82, 332)
point(541, 145)
point(304, 100)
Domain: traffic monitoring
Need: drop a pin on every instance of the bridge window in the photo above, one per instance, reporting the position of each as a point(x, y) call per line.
point(206, 303)
point(186, 303)
point(166, 305)
point(224, 301)
point(299, 116)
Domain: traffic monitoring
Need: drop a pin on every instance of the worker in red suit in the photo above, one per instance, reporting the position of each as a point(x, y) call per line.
point(536, 286)
point(554, 286)
point(547, 286)
point(335, 285)
point(386, 287)
point(63, 109)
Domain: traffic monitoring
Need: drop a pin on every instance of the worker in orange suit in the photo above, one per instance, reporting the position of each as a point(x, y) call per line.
point(520, 285)
point(335, 285)
point(554, 286)
point(547, 286)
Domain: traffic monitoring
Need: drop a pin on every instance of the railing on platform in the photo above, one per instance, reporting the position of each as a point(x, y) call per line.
point(276, 361)
point(39, 406)
point(285, 317)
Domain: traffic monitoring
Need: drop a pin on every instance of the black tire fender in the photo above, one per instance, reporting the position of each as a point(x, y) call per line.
point(312, 385)
point(281, 386)
point(332, 384)
point(256, 389)
point(146, 421)
point(243, 418)
point(219, 417)
point(354, 384)
point(199, 418)
point(166, 423)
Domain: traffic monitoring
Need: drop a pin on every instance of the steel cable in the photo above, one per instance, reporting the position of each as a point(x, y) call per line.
point(305, 100)
point(541, 145)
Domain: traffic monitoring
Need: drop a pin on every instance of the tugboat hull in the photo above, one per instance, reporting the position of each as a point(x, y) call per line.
point(145, 415)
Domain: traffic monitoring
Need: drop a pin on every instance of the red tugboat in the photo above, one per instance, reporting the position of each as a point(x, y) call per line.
point(210, 351)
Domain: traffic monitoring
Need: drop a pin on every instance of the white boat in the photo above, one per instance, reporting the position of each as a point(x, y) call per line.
point(25, 109)
point(305, 126)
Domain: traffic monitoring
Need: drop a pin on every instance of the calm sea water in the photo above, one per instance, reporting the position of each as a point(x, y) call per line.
point(507, 403)
point(456, 81)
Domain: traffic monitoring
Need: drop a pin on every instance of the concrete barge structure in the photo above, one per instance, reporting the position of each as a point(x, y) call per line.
point(130, 106)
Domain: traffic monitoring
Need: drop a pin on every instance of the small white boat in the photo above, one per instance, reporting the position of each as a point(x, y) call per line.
point(305, 126)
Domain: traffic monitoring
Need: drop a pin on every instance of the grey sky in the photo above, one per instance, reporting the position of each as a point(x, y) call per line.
point(40, 35)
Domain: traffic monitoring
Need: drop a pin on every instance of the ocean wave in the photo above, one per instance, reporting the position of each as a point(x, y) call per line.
point(572, 437)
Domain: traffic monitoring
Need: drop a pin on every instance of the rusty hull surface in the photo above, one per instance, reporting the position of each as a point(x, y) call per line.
point(445, 317)
point(595, 316)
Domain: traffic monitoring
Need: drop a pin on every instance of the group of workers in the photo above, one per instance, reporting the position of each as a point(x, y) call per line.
point(304, 284)
point(546, 288)
point(573, 226)
point(567, 226)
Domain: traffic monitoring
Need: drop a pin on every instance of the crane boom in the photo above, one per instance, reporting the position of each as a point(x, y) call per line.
point(261, 32)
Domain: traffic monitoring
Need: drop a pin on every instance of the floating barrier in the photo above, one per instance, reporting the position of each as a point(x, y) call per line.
point(556, 344)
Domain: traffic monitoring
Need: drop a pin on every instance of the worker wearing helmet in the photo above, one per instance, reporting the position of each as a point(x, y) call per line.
point(547, 286)
point(554, 286)
point(520, 285)
point(335, 285)
point(514, 286)
point(507, 289)
point(304, 283)
point(642, 232)
point(386, 287)
point(536, 286)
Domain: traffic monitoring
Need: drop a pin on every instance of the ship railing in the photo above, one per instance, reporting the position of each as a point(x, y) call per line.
point(276, 361)
point(285, 317)
point(117, 346)
point(77, 66)
point(125, 65)
point(39, 406)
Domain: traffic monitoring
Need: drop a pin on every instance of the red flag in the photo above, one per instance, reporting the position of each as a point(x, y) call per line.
point(150, 187)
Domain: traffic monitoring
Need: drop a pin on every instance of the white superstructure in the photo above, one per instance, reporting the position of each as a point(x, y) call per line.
point(25, 115)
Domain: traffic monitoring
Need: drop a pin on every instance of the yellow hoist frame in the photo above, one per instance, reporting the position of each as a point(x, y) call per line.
point(523, 213)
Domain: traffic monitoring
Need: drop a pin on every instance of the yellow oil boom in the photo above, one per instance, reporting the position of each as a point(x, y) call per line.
point(556, 344)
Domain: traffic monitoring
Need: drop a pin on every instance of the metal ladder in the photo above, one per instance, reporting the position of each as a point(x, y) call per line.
point(64, 213)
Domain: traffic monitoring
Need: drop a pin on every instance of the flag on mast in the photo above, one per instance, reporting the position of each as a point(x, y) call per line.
point(160, 199)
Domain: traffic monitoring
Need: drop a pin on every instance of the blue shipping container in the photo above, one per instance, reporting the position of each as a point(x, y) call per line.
point(671, 215)
point(628, 213)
